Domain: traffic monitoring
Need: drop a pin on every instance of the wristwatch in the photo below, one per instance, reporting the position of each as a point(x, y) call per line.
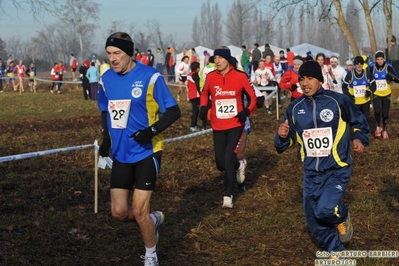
point(154, 131)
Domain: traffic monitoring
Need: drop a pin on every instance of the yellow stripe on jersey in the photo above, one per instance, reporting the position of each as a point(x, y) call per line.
point(342, 126)
point(152, 113)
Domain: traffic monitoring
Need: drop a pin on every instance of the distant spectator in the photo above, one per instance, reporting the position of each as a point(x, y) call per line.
point(104, 67)
point(268, 51)
point(167, 57)
point(159, 60)
point(172, 63)
point(245, 60)
point(194, 56)
point(283, 60)
point(206, 57)
point(182, 69)
point(290, 59)
point(150, 57)
point(85, 82)
point(394, 54)
point(93, 76)
point(54, 76)
point(309, 56)
point(256, 56)
point(9, 60)
point(73, 63)
point(137, 55)
point(144, 58)
point(32, 76)
point(20, 69)
point(61, 71)
point(2, 75)
point(193, 94)
point(97, 63)
point(349, 66)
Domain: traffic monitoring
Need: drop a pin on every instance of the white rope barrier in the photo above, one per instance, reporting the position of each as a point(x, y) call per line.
point(41, 153)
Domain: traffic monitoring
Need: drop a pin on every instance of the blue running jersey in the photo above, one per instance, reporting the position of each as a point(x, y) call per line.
point(133, 101)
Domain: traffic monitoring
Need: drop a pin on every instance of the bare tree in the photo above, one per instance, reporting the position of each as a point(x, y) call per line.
point(17, 47)
point(238, 28)
point(209, 26)
point(141, 41)
point(79, 17)
point(306, 6)
point(195, 33)
point(154, 28)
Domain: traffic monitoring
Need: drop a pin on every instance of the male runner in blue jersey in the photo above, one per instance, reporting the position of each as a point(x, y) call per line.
point(131, 101)
point(320, 121)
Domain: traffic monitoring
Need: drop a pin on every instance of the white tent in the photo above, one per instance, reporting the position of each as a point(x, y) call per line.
point(303, 48)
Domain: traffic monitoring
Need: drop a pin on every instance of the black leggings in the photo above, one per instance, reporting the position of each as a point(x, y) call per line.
point(381, 105)
point(225, 142)
point(195, 110)
point(365, 109)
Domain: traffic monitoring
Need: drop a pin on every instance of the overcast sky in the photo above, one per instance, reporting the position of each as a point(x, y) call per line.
point(175, 16)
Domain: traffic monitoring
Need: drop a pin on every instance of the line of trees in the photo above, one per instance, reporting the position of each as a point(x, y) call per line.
point(341, 26)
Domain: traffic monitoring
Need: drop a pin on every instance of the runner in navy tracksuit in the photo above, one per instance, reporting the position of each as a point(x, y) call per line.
point(320, 121)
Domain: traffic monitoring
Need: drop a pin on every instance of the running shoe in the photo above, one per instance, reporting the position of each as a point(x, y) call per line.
point(345, 230)
point(227, 202)
point(240, 175)
point(159, 218)
point(178, 97)
point(149, 261)
point(385, 135)
point(194, 129)
point(377, 132)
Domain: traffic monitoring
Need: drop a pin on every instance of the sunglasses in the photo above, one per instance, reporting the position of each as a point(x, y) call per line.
point(358, 63)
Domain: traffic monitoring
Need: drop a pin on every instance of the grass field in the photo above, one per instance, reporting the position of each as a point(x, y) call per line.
point(46, 203)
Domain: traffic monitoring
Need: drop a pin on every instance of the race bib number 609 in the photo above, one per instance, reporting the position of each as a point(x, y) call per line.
point(318, 142)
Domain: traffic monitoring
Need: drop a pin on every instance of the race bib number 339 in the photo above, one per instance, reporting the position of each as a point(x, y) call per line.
point(119, 113)
point(318, 141)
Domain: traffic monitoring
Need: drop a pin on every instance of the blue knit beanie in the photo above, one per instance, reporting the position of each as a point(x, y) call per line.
point(225, 53)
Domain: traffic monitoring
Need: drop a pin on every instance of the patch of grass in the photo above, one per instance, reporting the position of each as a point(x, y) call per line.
point(46, 203)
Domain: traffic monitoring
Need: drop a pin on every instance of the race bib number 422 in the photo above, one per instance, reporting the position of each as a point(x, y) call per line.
point(318, 142)
point(119, 113)
point(226, 108)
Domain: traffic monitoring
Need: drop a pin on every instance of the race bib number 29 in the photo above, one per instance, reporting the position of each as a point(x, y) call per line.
point(318, 142)
point(119, 113)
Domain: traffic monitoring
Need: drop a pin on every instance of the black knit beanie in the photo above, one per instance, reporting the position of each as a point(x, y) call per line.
point(311, 69)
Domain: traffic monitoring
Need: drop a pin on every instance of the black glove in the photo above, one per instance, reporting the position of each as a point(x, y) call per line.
point(335, 81)
point(274, 83)
point(368, 93)
point(203, 112)
point(294, 87)
point(143, 136)
point(242, 116)
point(104, 147)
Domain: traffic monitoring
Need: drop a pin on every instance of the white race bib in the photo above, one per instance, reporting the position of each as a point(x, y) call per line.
point(20, 71)
point(318, 142)
point(226, 108)
point(381, 85)
point(119, 113)
point(359, 91)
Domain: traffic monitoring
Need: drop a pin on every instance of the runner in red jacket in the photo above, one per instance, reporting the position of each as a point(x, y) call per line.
point(226, 87)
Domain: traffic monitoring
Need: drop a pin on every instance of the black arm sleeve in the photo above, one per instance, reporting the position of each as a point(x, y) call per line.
point(168, 118)
point(104, 124)
point(196, 79)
